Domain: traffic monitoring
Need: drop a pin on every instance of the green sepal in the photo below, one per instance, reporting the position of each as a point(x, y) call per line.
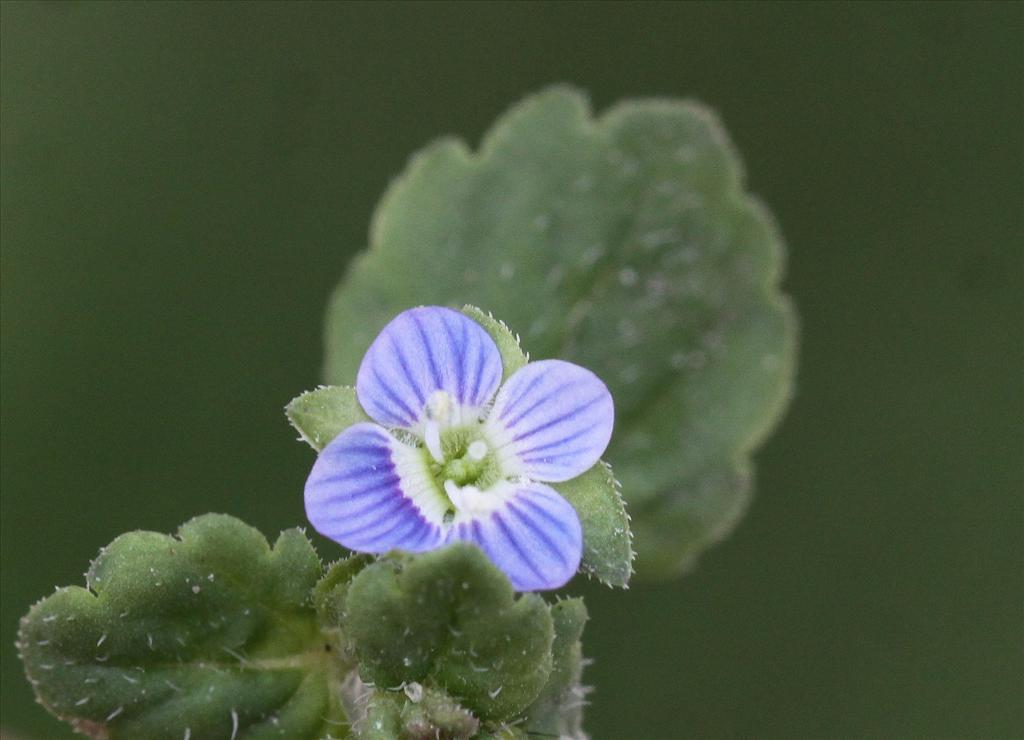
point(512, 355)
point(321, 415)
point(607, 542)
point(205, 634)
point(450, 619)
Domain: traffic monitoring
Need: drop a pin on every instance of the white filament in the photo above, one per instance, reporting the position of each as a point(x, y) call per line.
point(432, 438)
point(470, 502)
point(465, 498)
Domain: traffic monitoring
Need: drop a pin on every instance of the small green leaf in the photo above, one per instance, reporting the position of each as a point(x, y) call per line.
point(512, 355)
point(321, 415)
point(607, 542)
point(626, 243)
point(206, 634)
point(450, 619)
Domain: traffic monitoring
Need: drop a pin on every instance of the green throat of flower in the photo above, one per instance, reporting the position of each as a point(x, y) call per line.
point(467, 459)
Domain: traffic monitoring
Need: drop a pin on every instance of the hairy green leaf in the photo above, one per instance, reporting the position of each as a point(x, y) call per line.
point(451, 618)
point(627, 244)
point(207, 634)
point(321, 415)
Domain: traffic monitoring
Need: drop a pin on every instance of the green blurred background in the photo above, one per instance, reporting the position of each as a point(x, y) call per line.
point(183, 184)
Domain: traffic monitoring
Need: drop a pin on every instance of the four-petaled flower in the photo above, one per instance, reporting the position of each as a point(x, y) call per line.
point(452, 457)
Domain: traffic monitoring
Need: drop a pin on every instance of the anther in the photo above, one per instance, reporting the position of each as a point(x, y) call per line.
point(469, 499)
point(440, 407)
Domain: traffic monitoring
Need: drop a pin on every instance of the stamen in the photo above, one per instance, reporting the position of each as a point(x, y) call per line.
point(465, 498)
point(470, 499)
point(432, 438)
point(440, 407)
point(455, 494)
point(477, 450)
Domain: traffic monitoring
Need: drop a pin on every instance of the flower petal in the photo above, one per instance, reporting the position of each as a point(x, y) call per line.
point(422, 351)
point(372, 493)
point(529, 531)
point(551, 421)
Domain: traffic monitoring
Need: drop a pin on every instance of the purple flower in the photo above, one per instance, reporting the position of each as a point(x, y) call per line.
point(453, 457)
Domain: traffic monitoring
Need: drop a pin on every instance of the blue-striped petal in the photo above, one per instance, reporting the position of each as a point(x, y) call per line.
point(530, 532)
point(372, 493)
point(551, 421)
point(422, 351)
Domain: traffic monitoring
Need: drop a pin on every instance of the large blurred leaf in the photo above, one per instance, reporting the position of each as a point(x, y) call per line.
point(210, 634)
point(626, 244)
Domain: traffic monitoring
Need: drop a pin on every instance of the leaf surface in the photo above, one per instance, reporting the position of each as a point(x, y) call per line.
point(450, 618)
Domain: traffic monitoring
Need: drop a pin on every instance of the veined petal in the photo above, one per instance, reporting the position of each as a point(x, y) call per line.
point(373, 493)
point(530, 532)
point(551, 421)
point(421, 352)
